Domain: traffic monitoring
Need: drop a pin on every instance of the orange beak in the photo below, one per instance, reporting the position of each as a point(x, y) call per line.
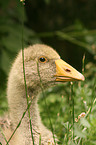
point(65, 72)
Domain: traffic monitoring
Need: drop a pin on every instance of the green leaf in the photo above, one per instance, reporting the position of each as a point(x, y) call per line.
point(78, 131)
point(66, 125)
point(85, 123)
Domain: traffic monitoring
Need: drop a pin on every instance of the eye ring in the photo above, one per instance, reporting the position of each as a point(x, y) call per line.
point(42, 59)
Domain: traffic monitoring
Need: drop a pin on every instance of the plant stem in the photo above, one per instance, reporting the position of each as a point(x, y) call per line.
point(19, 122)
point(25, 76)
point(72, 96)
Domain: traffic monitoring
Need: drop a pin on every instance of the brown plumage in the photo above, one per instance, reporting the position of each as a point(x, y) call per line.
point(52, 70)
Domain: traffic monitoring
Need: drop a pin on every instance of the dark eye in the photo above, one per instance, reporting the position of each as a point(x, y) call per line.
point(42, 59)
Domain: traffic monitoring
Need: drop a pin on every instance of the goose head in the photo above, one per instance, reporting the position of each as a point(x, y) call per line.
point(42, 61)
point(45, 63)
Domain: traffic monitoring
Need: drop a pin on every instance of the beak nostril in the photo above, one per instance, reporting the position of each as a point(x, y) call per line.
point(67, 70)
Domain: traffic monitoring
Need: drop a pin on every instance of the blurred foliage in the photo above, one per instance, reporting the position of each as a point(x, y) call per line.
point(12, 17)
point(71, 16)
point(58, 14)
point(11, 20)
point(59, 24)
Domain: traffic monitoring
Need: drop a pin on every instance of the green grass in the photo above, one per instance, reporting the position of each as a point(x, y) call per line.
point(65, 104)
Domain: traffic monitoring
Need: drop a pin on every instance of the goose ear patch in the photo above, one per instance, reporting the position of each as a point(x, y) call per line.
point(42, 59)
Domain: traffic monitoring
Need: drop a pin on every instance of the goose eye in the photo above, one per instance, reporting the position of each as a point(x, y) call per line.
point(42, 59)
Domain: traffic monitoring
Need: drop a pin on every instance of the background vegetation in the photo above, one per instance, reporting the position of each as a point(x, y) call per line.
point(69, 27)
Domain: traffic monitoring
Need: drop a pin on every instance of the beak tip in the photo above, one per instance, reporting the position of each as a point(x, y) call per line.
point(82, 78)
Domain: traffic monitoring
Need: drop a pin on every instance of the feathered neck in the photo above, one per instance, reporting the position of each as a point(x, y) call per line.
point(17, 106)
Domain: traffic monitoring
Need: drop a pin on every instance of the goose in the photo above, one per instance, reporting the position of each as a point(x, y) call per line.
point(52, 70)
